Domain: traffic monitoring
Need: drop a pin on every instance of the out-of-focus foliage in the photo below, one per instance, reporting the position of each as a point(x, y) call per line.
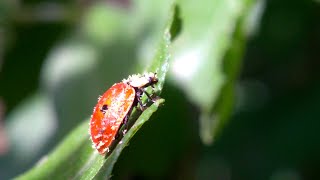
point(74, 158)
point(200, 66)
point(242, 92)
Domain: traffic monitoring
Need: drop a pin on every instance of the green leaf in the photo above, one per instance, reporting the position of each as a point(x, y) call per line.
point(66, 160)
point(102, 167)
point(74, 158)
point(199, 56)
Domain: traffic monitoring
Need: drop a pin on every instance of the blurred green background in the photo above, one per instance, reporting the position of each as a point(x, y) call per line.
point(242, 93)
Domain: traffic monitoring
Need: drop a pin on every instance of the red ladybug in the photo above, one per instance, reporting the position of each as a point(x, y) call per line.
point(114, 108)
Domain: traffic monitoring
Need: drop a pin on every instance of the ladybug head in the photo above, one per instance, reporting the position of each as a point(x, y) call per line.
point(141, 81)
point(152, 77)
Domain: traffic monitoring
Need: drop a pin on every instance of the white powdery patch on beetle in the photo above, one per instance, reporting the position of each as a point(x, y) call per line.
point(138, 80)
point(105, 150)
point(100, 144)
point(97, 136)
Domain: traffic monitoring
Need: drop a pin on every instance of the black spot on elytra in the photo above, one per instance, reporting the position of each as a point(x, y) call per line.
point(104, 108)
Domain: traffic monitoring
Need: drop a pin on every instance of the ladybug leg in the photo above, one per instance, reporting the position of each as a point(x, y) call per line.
point(117, 136)
point(126, 118)
point(153, 99)
point(141, 106)
point(124, 124)
point(138, 95)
